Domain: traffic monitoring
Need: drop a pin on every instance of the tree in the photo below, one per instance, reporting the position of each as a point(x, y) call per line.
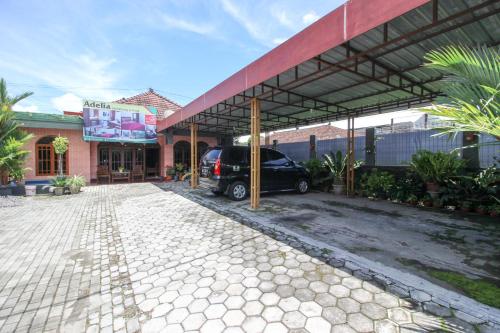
point(12, 138)
point(60, 144)
point(7, 102)
point(471, 87)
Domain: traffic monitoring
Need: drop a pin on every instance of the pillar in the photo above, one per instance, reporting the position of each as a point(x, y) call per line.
point(350, 156)
point(255, 153)
point(312, 146)
point(275, 144)
point(370, 146)
point(194, 155)
point(471, 154)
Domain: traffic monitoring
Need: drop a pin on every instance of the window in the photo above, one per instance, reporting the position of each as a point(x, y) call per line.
point(235, 155)
point(275, 158)
point(46, 158)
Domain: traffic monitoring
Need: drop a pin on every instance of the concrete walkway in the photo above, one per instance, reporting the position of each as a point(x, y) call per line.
point(130, 258)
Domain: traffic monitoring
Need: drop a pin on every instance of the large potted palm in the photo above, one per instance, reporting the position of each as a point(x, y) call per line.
point(337, 164)
point(436, 168)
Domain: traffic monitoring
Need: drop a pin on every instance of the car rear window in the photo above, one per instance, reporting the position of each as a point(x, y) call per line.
point(212, 154)
point(235, 155)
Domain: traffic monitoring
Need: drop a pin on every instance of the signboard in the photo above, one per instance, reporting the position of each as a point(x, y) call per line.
point(114, 122)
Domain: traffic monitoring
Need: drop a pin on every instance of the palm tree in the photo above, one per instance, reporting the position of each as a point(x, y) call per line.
point(12, 138)
point(471, 87)
point(6, 102)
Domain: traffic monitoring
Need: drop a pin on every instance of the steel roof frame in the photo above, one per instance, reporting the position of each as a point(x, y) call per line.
point(284, 105)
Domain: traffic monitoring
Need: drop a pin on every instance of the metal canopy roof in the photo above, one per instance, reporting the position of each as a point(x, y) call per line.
point(363, 58)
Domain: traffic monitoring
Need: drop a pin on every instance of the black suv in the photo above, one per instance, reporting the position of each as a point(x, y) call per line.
point(227, 169)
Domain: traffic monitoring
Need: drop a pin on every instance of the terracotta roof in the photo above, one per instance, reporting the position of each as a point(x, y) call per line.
point(163, 105)
point(323, 132)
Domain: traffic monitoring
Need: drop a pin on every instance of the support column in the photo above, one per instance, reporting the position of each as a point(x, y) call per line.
point(255, 154)
point(470, 154)
point(194, 155)
point(312, 146)
point(350, 157)
point(370, 146)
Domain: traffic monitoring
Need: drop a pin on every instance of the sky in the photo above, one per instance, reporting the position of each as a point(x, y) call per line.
point(66, 51)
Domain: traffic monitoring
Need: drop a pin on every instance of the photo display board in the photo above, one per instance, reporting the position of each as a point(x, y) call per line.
point(114, 122)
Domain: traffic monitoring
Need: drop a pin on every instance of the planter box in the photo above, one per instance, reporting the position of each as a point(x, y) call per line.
point(5, 190)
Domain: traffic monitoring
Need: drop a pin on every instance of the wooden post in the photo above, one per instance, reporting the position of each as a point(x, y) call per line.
point(194, 155)
point(255, 154)
point(350, 157)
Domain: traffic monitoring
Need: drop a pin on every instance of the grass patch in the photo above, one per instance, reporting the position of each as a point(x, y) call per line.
point(480, 290)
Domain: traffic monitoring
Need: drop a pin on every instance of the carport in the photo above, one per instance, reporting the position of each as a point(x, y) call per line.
point(363, 58)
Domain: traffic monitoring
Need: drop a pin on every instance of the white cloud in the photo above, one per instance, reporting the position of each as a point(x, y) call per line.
point(25, 108)
point(67, 102)
point(278, 41)
point(239, 15)
point(310, 17)
point(198, 28)
point(283, 18)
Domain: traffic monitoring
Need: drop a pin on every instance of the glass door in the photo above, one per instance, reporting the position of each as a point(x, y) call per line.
point(116, 160)
point(127, 159)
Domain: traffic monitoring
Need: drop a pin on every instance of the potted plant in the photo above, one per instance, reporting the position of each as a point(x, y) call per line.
point(121, 168)
point(75, 183)
point(435, 168)
point(412, 199)
point(378, 184)
point(337, 164)
point(59, 183)
point(169, 173)
point(60, 145)
point(427, 200)
point(494, 210)
point(482, 210)
point(466, 206)
point(179, 170)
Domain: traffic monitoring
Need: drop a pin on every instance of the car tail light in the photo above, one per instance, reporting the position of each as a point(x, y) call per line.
point(217, 167)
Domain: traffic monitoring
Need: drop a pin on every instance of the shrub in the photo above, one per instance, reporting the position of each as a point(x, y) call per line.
point(59, 182)
point(378, 184)
point(436, 167)
point(77, 181)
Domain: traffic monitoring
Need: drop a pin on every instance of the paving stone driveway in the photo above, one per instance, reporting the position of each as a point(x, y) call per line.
point(129, 258)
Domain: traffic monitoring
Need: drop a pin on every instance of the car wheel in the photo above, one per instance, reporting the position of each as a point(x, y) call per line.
point(237, 191)
point(302, 186)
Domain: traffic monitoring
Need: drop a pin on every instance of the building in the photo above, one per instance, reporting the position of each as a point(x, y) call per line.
point(86, 157)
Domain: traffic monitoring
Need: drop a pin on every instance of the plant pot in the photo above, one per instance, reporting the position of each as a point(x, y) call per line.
point(74, 189)
point(481, 211)
point(465, 209)
point(338, 189)
point(58, 190)
point(427, 203)
point(432, 187)
point(30, 190)
point(494, 213)
point(168, 178)
point(5, 190)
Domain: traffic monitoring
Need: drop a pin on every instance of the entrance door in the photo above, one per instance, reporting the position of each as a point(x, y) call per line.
point(152, 162)
point(116, 160)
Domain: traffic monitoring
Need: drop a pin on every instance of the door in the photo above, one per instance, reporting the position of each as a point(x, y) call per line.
point(279, 171)
point(116, 160)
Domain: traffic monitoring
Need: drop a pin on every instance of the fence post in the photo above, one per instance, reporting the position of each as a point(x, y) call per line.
point(470, 155)
point(312, 146)
point(370, 146)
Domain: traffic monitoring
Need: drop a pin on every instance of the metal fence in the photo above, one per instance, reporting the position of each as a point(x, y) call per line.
point(392, 149)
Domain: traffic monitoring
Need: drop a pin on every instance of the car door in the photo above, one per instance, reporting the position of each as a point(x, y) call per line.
point(284, 176)
point(274, 167)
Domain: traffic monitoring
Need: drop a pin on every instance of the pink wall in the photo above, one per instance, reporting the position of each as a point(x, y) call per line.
point(83, 155)
point(78, 152)
point(167, 151)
